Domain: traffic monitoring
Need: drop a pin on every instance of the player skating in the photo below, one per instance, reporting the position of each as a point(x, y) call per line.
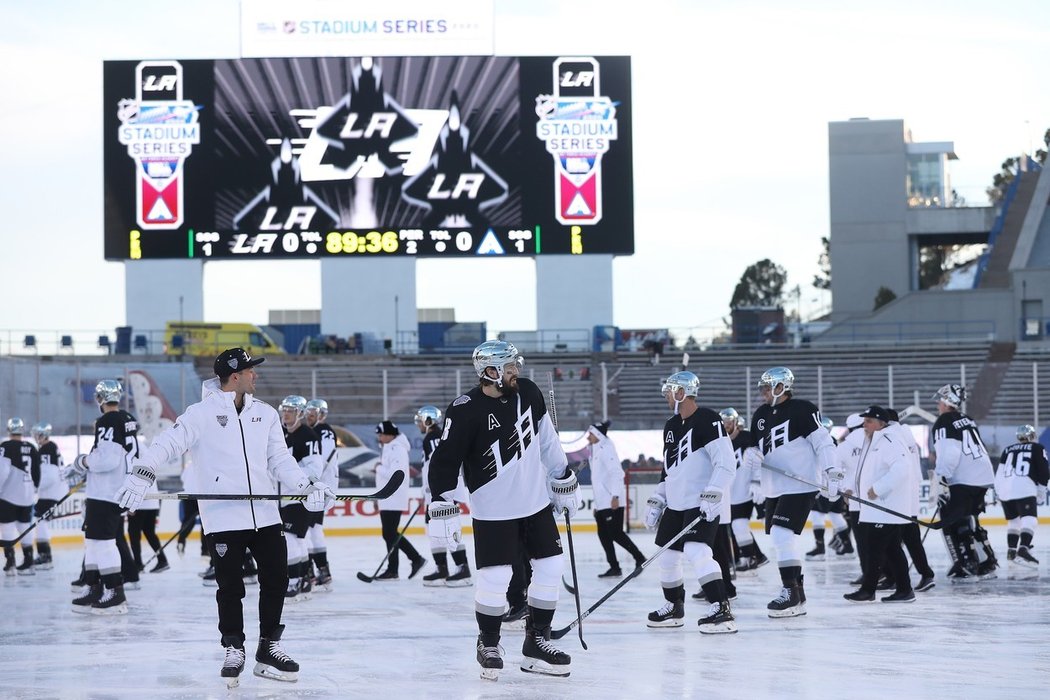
point(1020, 481)
point(428, 421)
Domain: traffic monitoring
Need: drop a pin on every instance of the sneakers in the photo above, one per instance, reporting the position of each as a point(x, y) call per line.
point(417, 565)
point(89, 594)
point(672, 614)
point(925, 584)
point(514, 618)
point(272, 661)
point(436, 579)
point(885, 584)
point(862, 596)
point(719, 620)
point(613, 572)
point(112, 602)
point(233, 663)
point(490, 656)
point(460, 578)
point(787, 604)
point(1025, 558)
point(908, 597)
point(540, 656)
point(387, 575)
point(817, 553)
point(161, 566)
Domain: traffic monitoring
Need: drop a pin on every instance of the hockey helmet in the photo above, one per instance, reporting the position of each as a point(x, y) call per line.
point(777, 376)
point(108, 391)
point(41, 430)
point(827, 423)
point(496, 354)
point(685, 380)
point(294, 403)
point(318, 406)
point(16, 426)
point(427, 416)
point(951, 394)
point(1026, 433)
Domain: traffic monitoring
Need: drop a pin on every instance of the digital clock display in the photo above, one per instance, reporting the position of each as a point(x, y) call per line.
point(360, 157)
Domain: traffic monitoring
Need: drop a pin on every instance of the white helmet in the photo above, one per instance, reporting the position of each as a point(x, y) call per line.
point(774, 376)
point(108, 391)
point(951, 394)
point(293, 403)
point(427, 416)
point(729, 414)
point(1026, 433)
point(318, 406)
point(16, 426)
point(41, 430)
point(496, 354)
point(685, 380)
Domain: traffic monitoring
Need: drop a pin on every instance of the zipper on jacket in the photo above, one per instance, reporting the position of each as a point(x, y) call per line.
point(248, 473)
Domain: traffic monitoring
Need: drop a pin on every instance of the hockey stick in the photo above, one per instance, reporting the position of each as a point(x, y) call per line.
point(876, 506)
point(29, 529)
point(559, 633)
point(393, 548)
point(386, 492)
point(568, 526)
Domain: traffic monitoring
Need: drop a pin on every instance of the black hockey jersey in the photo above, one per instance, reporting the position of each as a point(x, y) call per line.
point(961, 456)
point(1021, 468)
point(305, 446)
point(792, 439)
point(507, 447)
point(698, 455)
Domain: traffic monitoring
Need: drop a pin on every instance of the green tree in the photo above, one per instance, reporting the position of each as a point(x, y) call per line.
point(822, 280)
point(762, 284)
point(884, 296)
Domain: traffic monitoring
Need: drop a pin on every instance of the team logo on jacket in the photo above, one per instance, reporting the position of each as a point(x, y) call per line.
point(222, 420)
point(221, 549)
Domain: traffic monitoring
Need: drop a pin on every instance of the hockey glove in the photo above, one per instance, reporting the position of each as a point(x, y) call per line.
point(319, 496)
point(444, 523)
point(656, 504)
point(563, 494)
point(942, 491)
point(834, 477)
point(135, 486)
point(756, 492)
point(1040, 493)
point(76, 471)
point(711, 504)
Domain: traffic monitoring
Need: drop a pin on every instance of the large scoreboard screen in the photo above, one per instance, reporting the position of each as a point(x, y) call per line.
point(356, 157)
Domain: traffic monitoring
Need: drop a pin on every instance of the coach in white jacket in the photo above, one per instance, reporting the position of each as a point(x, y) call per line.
point(883, 476)
point(393, 459)
point(610, 498)
point(237, 447)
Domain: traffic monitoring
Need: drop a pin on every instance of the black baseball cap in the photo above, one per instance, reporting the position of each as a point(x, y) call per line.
point(235, 360)
point(387, 428)
point(877, 412)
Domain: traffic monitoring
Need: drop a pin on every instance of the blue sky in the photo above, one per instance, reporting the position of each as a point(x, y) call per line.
point(731, 100)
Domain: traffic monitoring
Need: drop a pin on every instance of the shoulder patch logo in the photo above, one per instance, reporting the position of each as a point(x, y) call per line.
point(493, 423)
point(461, 400)
point(222, 420)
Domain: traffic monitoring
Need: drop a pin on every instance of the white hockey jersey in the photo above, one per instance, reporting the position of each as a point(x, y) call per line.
point(960, 453)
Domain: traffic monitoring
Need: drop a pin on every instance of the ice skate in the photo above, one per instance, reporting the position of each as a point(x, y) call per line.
point(817, 553)
point(459, 579)
point(1024, 558)
point(787, 604)
point(324, 579)
point(436, 578)
point(44, 562)
point(719, 620)
point(25, 568)
point(514, 618)
point(490, 656)
point(233, 665)
point(88, 595)
point(112, 602)
point(672, 614)
point(271, 660)
point(540, 656)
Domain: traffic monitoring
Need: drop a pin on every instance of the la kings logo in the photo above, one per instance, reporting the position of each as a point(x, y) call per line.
point(510, 446)
point(681, 451)
point(778, 437)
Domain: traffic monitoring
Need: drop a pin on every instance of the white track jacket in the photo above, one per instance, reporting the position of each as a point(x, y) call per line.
point(232, 453)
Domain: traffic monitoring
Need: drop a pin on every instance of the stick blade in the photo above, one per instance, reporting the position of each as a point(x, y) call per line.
point(364, 577)
point(558, 634)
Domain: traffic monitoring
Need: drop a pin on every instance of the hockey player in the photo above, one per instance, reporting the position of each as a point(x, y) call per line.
point(745, 492)
point(104, 468)
point(316, 419)
point(515, 469)
point(885, 479)
point(19, 478)
point(699, 467)
point(51, 490)
point(610, 498)
point(394, 458)
point(787, 434)
point(238, 447)
point(428, 421)
point(305, 448)
point(1020, 481)
point(961, 477)
point(825, 510)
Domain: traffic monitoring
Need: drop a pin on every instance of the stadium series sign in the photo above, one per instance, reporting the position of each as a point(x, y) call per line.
point(356, 157)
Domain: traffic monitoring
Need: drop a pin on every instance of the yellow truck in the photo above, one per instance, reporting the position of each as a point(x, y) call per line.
point(199, 338)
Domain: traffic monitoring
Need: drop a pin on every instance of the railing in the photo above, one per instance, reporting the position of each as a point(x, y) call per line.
point(911, 331)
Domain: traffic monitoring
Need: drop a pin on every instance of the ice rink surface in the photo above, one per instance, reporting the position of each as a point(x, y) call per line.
point(401, 640)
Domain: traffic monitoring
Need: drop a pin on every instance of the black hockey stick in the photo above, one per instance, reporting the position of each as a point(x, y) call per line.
point(568, 527)
point(876, 506)
point(47, 513)
point(559, 633)
point(386, 492)
point(393, 548)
